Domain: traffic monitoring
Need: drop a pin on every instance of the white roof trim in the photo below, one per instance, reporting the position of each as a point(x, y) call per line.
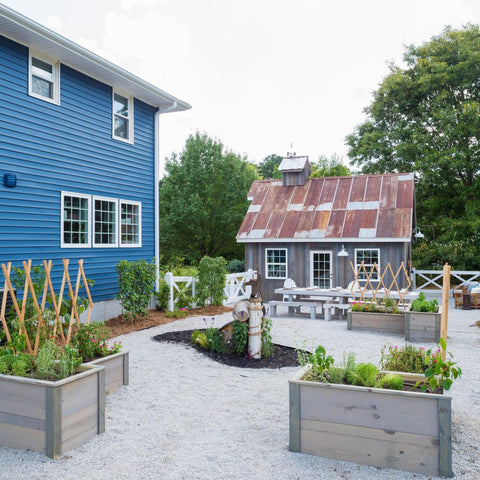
point(323, 240)
point(30, 33)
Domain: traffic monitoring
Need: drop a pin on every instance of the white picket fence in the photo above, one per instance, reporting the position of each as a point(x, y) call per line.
point(434, 278)
point(235, 288)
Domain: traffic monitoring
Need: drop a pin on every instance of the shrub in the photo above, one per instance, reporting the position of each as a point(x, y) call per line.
point(135, 285)
point(240, 337)
point(420, 304)
point(215, 340)
point(163, 294)
point(211, 280)
point(236, 266)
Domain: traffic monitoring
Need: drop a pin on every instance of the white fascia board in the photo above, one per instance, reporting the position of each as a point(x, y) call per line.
point(323, 240)
point(32, 34)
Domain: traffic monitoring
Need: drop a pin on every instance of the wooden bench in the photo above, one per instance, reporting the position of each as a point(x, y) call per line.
point(330, 308)
point(294, 307)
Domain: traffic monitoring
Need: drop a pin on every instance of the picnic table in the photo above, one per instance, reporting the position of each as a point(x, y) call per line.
point(329, 299)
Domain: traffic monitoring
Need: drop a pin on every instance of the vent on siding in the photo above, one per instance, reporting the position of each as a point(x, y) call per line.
point(295, 170)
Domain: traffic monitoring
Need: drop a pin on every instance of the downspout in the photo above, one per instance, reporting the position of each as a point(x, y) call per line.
point(173, 106)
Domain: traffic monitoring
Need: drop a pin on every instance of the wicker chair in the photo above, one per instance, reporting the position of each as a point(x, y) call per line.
point(458, 296)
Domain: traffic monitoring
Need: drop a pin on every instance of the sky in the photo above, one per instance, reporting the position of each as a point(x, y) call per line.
point(262, 76)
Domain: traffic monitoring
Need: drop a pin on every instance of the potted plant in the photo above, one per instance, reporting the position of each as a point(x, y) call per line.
point(383, 317)
point(344, 412)
point(92, 342)
point(423, 320)
point(49, 402)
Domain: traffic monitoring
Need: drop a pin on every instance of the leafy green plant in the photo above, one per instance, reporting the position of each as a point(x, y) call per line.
point(69, 360)
point(404, 359)
point(45, 360)
point(420, 304)
point(318, 361)
point(240, 337)
point(201, 339)
point(215, 340)
point(440, 373)
point(364, 374)
point(336, 374)
point(391, 381)
point(162, 295)
point(267, 344)
point(135, 287)
point(211, 281)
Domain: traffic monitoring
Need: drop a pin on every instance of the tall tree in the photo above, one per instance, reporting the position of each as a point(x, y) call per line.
point(268, 167)
point(329, 167)
point(203, 199)
point(425, 118)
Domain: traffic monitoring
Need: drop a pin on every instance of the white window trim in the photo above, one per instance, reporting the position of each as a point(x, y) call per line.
point(286, 263)
point(129, 245)
point(378, 264)
point(130, 117)
point(116, 202)
point(56, 78)
point(89, 221)
point(312, 253)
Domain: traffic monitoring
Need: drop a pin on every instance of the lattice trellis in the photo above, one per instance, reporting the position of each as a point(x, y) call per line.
point(40, 304)
point(374, 286)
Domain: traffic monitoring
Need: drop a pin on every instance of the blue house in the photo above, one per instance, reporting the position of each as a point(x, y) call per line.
point(79, 157)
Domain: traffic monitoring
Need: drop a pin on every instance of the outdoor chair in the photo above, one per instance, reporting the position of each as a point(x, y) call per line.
point(458, 297)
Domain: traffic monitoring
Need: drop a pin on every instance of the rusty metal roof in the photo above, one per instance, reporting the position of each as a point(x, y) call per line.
point(356, 208)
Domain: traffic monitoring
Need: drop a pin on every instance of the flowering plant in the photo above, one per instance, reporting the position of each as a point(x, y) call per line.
point(388, 305)
point(91, 340)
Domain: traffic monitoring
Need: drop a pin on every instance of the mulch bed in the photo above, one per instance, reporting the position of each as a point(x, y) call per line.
point(282, 356)
point(119, 325)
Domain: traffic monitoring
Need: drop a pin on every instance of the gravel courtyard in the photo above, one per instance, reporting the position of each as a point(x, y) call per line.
point(185, 416)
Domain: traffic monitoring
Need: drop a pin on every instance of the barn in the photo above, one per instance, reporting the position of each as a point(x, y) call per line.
point(318, 231)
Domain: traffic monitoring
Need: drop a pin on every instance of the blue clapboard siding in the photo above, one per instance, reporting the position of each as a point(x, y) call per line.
point(68, 147)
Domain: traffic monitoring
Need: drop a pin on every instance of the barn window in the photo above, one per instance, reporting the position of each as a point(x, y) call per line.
point(105, 222)
point(75, 220)
point(131, 221)
point(122, 117)
point(44, 79)
point(369, 257)
point(276, 262)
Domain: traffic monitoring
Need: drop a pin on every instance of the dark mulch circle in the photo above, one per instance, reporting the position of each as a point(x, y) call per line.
point(282, 356)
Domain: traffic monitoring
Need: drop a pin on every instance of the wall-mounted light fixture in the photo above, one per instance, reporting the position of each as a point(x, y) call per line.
point(10, 180)
point(342, 252)
point(417, 234)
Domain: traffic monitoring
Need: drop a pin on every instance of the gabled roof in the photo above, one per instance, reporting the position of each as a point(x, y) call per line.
point(330, 209)
point(27, 32)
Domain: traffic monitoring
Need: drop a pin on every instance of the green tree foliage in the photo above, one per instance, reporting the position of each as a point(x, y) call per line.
point(203, 199)
point(425, 118)
point(268, 167)
point(329, 167)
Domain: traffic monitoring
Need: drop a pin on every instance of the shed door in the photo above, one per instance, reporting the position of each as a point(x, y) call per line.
point(321, 269)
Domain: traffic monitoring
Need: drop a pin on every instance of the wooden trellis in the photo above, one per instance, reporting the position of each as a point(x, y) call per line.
point(376, 286)
point(40, 304)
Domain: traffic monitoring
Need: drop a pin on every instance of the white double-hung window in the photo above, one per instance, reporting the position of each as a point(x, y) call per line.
point(131, 221)
point(44, 79)
point(105, 230)
point(122, 117)
point(276, 262)
point(369, 257)
point(75, 220)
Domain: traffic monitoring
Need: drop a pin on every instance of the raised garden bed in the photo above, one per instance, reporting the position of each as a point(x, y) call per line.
point(376, 322)
point(423, 326)
point(370, 426)
point(116, 370)
point(52, 417)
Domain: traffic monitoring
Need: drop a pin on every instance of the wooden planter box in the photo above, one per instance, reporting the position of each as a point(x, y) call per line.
point(52, 417)
point(423, 326)
point(370, 426)
point(116, 370)
point(376, 322)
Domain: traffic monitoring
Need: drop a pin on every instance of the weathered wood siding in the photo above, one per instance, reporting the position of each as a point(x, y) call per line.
point(299, 261)
point(423, 326)
point(403, 430)
point(52, 417)
point(116, 370)
point(376, 322)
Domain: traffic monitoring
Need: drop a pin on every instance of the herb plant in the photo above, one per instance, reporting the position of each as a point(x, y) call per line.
point(420, 304)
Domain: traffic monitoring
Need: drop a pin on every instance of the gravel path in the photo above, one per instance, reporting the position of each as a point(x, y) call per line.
point(185, 416)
